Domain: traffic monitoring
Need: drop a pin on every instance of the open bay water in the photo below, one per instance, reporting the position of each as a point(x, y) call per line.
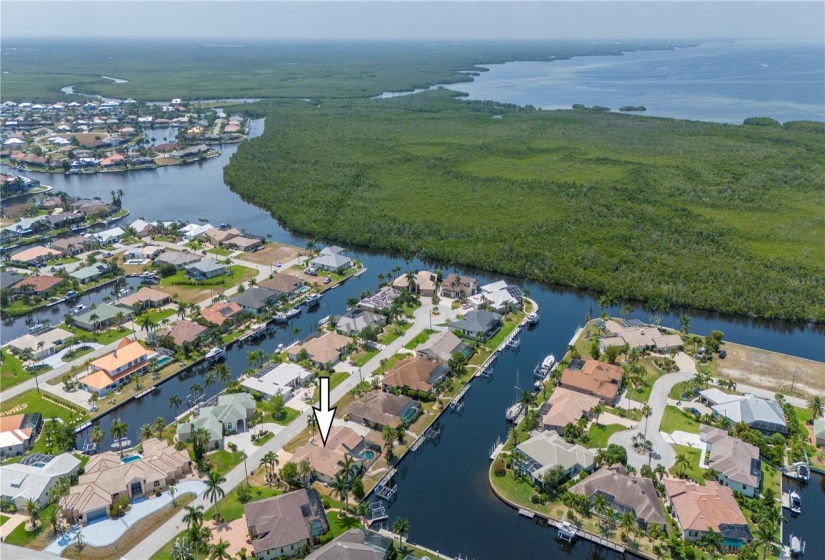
point(721, 82)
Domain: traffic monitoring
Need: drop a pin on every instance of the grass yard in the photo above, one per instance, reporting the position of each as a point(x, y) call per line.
point(12, 371)
point(37, 538)
point(677, 390)
point(158, 316)
point(598, 434)
point(199, 292)
point(3, 519)
point(231, 508)
point(224, 461)
point(361, 358)
point(286, 418)
point(102, 337)
point(220, 251)
point(32, 401)
point(675, 419)
point(642, 394)
point(262, 440)
point(393, 332)
point(72, 356)
point(692, 471)
point(420, 338)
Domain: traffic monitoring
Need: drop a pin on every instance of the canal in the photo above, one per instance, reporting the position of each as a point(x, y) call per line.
point(443, 489)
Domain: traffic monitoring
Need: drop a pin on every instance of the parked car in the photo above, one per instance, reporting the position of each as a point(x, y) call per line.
point(722, 354)
point(277, 265)
point(327, 280)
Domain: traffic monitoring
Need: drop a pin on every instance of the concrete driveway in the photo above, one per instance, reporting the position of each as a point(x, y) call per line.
point(244, 439)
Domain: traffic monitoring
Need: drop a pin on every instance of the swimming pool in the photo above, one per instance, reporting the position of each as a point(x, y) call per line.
point(131, 458)
point(303, 289)
point(368, 455)
point(163, 360)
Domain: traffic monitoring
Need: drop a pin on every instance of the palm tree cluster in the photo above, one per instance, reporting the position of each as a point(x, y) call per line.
point(344, 478)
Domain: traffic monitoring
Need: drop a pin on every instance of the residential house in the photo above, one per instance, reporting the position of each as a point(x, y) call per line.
point(242, 243)
point(106, 315)
point(145, 298)
point(356, 320)
point(178, 259)
point(51, 340)
point(107, 479)
point(279, 379)
point(713, 396)
point(218, 236)
point(282, 284)
point(205, 269)
point(184, 332)
point(477, 325)
point(117, 368)
point(90, 273)
point(331, 259)
point(109, 236)
point(341, 442)
point(414, 372)
point(73, 245)
point(193, 231)
point(148, 252)
point(736, 463)
point(35, 254)
point(458, 287)
point(222, 314)
point(424, 283)
point(545, 451)
point(230, 415)
point(63, 219)
point(667, 342)
point(699, 509)
point(9, 279)
point(23, 227)
point(564, 407)
point(441, 346)
point(18, 432)
point(595, 378)
point(637, 336)
point(760, 414)
point(33, 478)
point(37, 284)
point(498, 297)
point(323, 349)
point(355, 544)
point(254, 299)
point(142, 228)
point(283, 525)
point(634, 494)
point(377, 409)
point(380, 301)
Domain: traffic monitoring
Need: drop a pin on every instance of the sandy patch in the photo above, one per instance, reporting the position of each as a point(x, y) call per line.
point(272, 252)
point(772, 371)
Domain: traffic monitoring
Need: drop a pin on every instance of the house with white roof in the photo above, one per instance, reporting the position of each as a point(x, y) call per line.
point(110, 235)
point(278, 379)
point(545, 450)
point(497, 296)
point(192, 231)
point(34, 476)
point(758, 413)
point(331, 259)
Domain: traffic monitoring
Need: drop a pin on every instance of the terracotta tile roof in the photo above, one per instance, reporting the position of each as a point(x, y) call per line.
point(413, 372)
point(127, 351)
point(220, 312)
point(324, 459)
point(566, 406)
point(34, 253)
point(142, 295)
point(595, 377)
point(700, 507)
point(324, 348)
point(39, 284)
point(184, 331)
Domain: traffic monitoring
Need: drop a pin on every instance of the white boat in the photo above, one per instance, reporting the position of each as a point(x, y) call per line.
point(795, 502)
point(217, 353)
point(280, 318)
point(537, 386)
point(122, 443)
point(797, 545)
point(543, 369)
point(567, 532)
point(257, 329)
point(79, 308)
point(295, 311)
point(34, 329)
point(71, 295)
point(313, 299)
point(280, 348)
point(803, 473)
point(513, 412)
point(533, 318)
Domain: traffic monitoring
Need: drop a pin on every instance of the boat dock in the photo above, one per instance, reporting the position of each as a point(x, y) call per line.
point(496, 449)
point(526, 513)
point(386, 489)
point(459, 397)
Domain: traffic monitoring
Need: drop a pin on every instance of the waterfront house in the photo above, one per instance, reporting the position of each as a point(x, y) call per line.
point(478, 325)
point(148, 252)
point(638, 336)
point(323, 349)
point(736, 462)
point(381, 301)
point(118, 367)
point(699, 509)
point(278, 379)
point(23, 227)
point(90, 273)
point(222, 314)
point(231, 415)
point(355, 544)
point(713, 396)
point(9, 279)
point(282, 284)
point(109, 236)
point(184, 332)
point(178, 259)
point(425, 283)
point(564, 407)
point(205, 269)
point(35, 254)
point(193, 231)
point(547, 450)
point(63, 219)
point(356, 320)
point(634, 494)
point(760, 414)
point(218, 236)
point(242, 243)
point(331, 262)
point(667, 342)
point(106, 315)
point(458, 287)
point(595, 378)
point(498, 297)
point(33, 478)
point(40, 285)
point(414, 372)
point(377, 409)
point(145, 298)
point(74, 245)
point(341, 442)
point(141, 227)
point(441, 346)
point(107, 479)
point(254, 299)
point(18, 432)
point(51, 340)
point(283, 525)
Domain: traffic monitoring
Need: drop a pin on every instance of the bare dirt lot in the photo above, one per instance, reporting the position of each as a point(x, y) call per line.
point(272, 252)
point(772, 371)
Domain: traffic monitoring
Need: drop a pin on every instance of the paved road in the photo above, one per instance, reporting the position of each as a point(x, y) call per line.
point(170, 529)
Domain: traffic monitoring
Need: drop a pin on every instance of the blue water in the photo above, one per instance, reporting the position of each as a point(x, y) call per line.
point(721, 82)
point(163, 361)
point(131, 458)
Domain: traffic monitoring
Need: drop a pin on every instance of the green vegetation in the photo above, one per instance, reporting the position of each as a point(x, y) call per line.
point(722, 217)
point(75, 354)
point(420, 338)
point(103, 337)
point(239, 274)
point(286, 418)
point(35, 402)
point(224, 461)
point(158, 316)
point(3, 519)
point(598, 435)
point(675, 419)
point(12, 371)
point(231, 507)
point(263, 439)
point(20, 537)
point(691, 469)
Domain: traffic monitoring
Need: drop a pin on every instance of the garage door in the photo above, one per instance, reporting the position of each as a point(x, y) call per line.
point(96, 515)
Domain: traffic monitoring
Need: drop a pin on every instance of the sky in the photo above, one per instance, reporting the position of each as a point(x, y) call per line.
point(408, 20)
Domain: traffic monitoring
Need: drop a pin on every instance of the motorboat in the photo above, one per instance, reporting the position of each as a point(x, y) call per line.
point(538, 386)
point(71, 295)
point(544, 367)
point(257, 329)
point(797, 546)
point(36, 328)
point(803, 473)
point(313, 299)
point(122, 443)
point(795, 502)
point(567, 531)
point(533, 318)
point(294, 312)
point(217, 353)
point(280, 318)
point(513, 412)
point(78, 308)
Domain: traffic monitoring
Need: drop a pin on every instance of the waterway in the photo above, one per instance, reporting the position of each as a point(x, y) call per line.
point(443, 490)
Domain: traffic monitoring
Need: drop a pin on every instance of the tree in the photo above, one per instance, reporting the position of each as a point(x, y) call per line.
point(305, 472)
point(602, 508)
point(647, 412)
point(628, 525)
point(172, 488)
point(213, 488)
point(311, 425)
point(219, 551)
point(159, 425)
point(33, 511)
point(684, 324)
point(224, 374)
point(340, 486)
point(401, 527)
point(146, 431)
point(289, 474)
point(615, 454)
point(612, 353)
point(118, 430)
point(174, 402)
point(96, 436)
point(146, 323)
point(388, 435)
point(458, 364)
point(712, 542)
point(552, 478)
point(764, 538)
point(193, 516)
point(94, 317)
point(682, 463)
point(816, 407)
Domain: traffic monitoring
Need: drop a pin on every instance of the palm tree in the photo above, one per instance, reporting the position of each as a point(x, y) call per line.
point(193, 516)
point(181, 311)
point(712, 542)
point(684, 324)
point(219, 551)
point(401, 527)
point(527, 399)
point(209, 379)
point(196, 389)
point(816, 407)
point(305, 472)
point(647, 412)
point(174, 402)
point(97, 435)
point(311, 425)
point(340, 486)
point(764, 538)
point(224, 374)
point(159, 425)
point(312, 246)
point(118, 430)
point(682, 463)
point(267, 462)
point(146, 431)
point(661, 471)
point(172, 489)
point(347, 473)
point(33, 511)
point(388, 435)
point(213, 488)
point(145, 322)
point(601, 506)
point(628, 524)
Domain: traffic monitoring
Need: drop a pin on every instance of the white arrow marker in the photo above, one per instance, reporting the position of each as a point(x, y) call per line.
point(324, 414)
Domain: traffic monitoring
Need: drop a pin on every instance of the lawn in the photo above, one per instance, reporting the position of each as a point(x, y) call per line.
point(158, 316)
point(677, 390)
point(103, 337)
point(224, 461)
point(34, 402)
point(198, 292)
point(771, 478)
point(361, 358)
point(286, 418)
point(220, 251)
point(3, 519)
point(675, 419)
point(334, 380)
point(643, 393)
point(231, 508)
point(12, 371)
point(393, 332)
point(75, 354)
point(420, 338)
point(598, 434)
point(20, 537)
point(692, 471)
point(262, 440)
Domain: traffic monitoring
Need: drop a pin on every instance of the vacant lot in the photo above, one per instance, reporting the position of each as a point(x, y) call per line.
point(272, 252)
point(772, 371)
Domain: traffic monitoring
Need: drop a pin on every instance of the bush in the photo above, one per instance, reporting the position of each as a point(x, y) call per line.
point(534, 498)
point(499, 468)
point(7, 506)
point(233, 447)
point(325, 502)
point(244, 493)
